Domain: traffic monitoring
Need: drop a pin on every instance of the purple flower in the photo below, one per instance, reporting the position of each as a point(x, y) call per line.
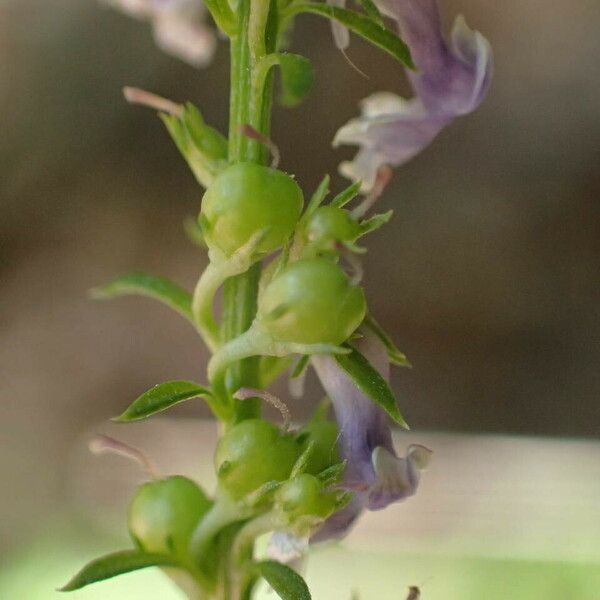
point(178, 27)
point(373, 470)
point(451, 79)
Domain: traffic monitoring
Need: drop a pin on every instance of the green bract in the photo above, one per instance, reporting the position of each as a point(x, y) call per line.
point(246, 200)
point(323, 435)
point(253, 453)
point(311, 301)
point(163, 514)
point(304, 496)
point(329, 224)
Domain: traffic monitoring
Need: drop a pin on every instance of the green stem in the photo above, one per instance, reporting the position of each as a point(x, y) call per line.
point(240, 292)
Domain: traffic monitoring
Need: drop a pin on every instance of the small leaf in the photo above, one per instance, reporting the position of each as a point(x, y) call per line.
point(362, 25)
point(368, 380)
point(203, 147)
point(115, 564)
point(300, 366)
point(332, 474)
point(151, 286)
point(161, 397)
point(210, 142)
point(297, 78)
point(346, 195)
point(375, 222)
point(372, 12)
point(285, 581)
point(302, 462)
point(317, 198)
point(396, 357)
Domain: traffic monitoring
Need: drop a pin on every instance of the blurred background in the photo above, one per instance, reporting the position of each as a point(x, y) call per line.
point(487, 277)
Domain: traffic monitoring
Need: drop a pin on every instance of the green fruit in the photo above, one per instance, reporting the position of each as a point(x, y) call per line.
point(164, 513)
point(304, 496)
point(253, 453)
point(312, 301)
point(329, 224)
point(246, 199)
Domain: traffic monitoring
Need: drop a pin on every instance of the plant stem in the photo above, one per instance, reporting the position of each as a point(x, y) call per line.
point(240, 292)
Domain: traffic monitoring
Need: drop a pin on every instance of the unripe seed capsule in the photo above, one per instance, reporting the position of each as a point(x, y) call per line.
point(329, 224)
point(246, 199)
point(164, 513)
point(253, 453)
point(312, 301)
point(304, 496)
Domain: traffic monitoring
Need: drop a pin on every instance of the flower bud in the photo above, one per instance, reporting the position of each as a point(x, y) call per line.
point(312, 301)
point(253, 453)
point(246, 200)
point(164, 513)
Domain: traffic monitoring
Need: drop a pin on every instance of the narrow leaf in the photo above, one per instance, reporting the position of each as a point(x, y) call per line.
point(297, 78)
point(372, 11)
point(152, 286)
point(362, 25)
point(346, 195)
point(161, 397)
point(332, 474)
point(396, 357)
point(375, 222)
point(300, 366)
point(368, 380)
point(285, 581)
point(115, 564)
point(317, 198)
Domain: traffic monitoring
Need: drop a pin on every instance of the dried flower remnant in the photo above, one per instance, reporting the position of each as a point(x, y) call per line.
point(178, 27)
point(451, 79)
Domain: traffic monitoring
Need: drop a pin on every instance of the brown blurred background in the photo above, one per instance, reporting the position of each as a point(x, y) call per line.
point(487, 276)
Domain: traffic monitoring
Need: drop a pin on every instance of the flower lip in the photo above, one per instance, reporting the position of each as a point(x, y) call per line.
point(451, 79)
point(374, 471)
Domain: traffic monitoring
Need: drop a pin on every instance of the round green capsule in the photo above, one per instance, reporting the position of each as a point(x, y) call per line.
point(164, 513)
point(331, 224)
point(247, 199)
point(304, 496)
point(253, 453)
point(312, 301)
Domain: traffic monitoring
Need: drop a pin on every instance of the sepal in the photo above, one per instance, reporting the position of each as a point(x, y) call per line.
point(203, 147)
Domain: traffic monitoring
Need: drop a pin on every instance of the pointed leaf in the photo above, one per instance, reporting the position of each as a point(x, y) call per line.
point(210, 142)
point(285, 581)
point(346, 195)
point(297, 78)
point(161, 397)
point(332, 474)
point(396, 357)
point(375, 222)
point(372, 12)
point(317, 198)
point(115, 564)
point(362, 25)
point(152, 286)
point(300, 366)
point(368, 380)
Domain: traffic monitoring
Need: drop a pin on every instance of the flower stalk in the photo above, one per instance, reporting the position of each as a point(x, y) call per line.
point(306, 308)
